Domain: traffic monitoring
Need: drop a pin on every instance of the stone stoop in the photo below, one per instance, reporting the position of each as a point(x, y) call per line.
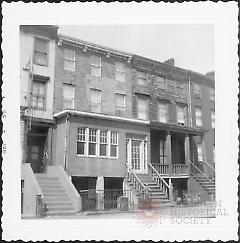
point(55, 196)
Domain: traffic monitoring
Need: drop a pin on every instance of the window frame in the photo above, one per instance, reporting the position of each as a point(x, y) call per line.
point(147, 107)
point(85, 141)
point(178, 107)
point(96, 66)
point(200, 155)
point(93, 142)
point(161, 85)
point(197, 117)
point(211, 94)
point(141, 76)
point(69, 59)
point(44, 96)
point(159, 104)
point(213, 119)
point(103, 143)
point(120, 71)
point(73, 98)
point(116, 144)
point(35, 51)
point(122, 107)
point(96, 105)
point(197, 90)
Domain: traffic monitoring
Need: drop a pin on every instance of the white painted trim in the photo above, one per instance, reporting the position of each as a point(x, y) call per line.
point(96, 115)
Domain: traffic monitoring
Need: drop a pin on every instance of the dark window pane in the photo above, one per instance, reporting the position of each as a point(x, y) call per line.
point(103, 150)
point(92, 149)
point(113, 151)
point(80, 148)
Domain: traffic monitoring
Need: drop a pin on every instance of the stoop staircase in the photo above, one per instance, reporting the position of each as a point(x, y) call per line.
point(55, 196)
point(150, 186)
point(207, 184)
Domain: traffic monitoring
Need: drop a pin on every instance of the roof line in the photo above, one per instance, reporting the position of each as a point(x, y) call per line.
point(101, 116)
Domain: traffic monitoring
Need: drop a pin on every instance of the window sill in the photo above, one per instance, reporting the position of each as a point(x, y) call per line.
point(71, 70)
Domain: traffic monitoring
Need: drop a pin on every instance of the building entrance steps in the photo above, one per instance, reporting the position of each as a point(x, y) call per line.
point(207, 184)
point(55, 196)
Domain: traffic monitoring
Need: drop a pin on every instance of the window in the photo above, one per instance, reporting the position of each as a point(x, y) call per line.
point(96, 66)
point(38, 95)
point(141, 78)
point(142, 108)
point(69, 59)
point(114, 144)
point(200, 153)
point(212, 94)
point(181, 115)
point(81, 141)
point(180, 87)
point(197, 90)
point(92, 145)
point(214, 155)
point(161, 83)
point(103, 143)
point(119, 71)
point(120, 101)
point(96, 105)
point(198, 113)
point(162, 112)
point(163, 156)
point(213, 118)
point(68, 96)
point(41, 52)
point(171, 85)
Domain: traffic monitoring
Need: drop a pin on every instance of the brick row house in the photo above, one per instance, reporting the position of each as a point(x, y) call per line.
point(119, 122)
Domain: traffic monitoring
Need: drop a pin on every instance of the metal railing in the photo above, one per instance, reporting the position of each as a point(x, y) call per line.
point(172, 169)
point(141, 190)
point(167, 189)
point(204, 175)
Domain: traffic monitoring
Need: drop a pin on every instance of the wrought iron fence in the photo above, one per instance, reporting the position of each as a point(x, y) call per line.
point(95, 200)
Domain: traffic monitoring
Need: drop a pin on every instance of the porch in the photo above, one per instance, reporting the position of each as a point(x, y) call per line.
point(172, 170)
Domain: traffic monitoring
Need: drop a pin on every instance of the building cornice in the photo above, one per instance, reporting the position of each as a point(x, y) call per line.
point(99, 116)
point(87, 46)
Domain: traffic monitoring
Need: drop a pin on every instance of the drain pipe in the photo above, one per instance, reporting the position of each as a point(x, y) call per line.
point(189, 100)
point(65, 144)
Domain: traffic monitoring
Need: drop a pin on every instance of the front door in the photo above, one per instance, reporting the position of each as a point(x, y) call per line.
point(137, 155)
point(35, 153)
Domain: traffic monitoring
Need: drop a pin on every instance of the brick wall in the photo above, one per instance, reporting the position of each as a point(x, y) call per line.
point(83, 81)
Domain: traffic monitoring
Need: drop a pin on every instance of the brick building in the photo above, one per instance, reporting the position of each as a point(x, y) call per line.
point(123, 122)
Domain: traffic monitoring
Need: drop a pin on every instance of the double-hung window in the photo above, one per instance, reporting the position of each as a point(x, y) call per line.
point(119, 71)
point(198, 114)
point(103, 143)
point(142, 109)
point(92, 142)
point(81, 141)
point(200, 152)
point(69, 59)
point(96, 100)
point(120, 101)
point(41, 52)
point(68, 96)
point(212, 94)
point(96, 66)
point(163, 155)
point(38, 95)
point(161, 82)
point(141, 78)
point(162, 112)
point(181, 115)
point(197, 90)
point(114, 145)
point(213, 118)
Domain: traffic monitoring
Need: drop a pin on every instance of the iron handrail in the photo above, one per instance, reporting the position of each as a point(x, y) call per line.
point(209, 166)
point(200, 170)
point(159, 176)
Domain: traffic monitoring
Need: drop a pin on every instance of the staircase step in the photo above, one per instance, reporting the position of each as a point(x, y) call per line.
point(60, 208)
point(57, 204)
point(52, 190)
point(55, 195)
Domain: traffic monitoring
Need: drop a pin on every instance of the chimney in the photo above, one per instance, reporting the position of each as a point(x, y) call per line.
point(211, 75)
point(170, 61)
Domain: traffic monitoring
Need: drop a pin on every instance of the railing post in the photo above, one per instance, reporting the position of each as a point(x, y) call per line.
point(171, 191)
point(168, 148)
point(187, 152)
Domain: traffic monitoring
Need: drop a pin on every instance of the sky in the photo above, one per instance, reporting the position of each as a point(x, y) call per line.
point(191, 46)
